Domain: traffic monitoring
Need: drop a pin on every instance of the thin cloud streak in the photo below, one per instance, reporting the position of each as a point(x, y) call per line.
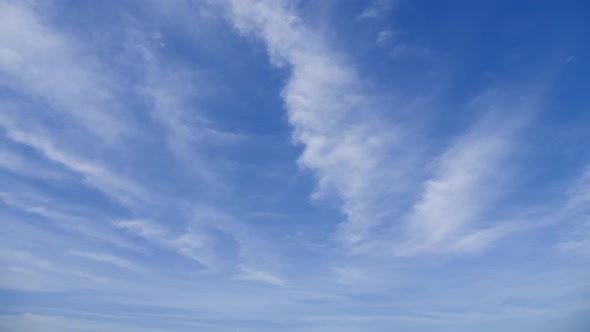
point(109, 259)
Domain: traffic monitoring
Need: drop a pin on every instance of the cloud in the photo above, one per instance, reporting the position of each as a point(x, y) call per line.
point(578, 243)
point(171, 93)
point(95, 175)
point(14, 162)
point(25, 269)
point(369, 164)
point(65, 103)
point(193, 244)
point(40, 63)
point(210, 237)
point(384, 36)
point(60, 323)
point(81, 221)
point(461, 191)
point(375, 9)
point(109, 259)
point(350, 275)
point(579, 194)
point(250, 274)
point(175, 94)
point(22, 257)
point(576, 215)
point(348, 149)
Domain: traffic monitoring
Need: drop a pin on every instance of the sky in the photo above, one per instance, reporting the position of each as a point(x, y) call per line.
point(233, 165)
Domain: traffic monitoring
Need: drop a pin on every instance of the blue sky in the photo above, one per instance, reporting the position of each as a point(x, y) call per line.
point(294, 166)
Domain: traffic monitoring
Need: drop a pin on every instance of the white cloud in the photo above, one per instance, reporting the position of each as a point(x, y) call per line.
point(350, 151)
point(578, 242)
point(579, 194)
point(207, 238)
point(194, 244)
point(350, 275)
point(174, 93)
point(463, 188)
point(375, 9)
point(576, 212)
point(109, 259)
point(28, 167)
point(384, 36)
point(40, 63)
point(62, 323)
point(65, 86)
point(74, 219)
point(26, 258)
point(142, 228)
point(28, 270)
point(250, 274)
point(370, 165)
point(97, 176)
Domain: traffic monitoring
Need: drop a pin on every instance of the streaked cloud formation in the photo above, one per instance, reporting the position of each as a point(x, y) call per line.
point(279, 165)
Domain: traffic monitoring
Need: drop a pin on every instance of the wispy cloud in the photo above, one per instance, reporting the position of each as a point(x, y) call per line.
point(78, 220)
point(176, 94)
point(576, 214)
point(579, 193)
point(348, 149)
point(50, 323)
point(250, 274)
point(38, 62)
point(190, 243)
point(375, 9)
point(109, 259)
point(366, 163)
point(22, 257)
point(384, 36)
point(14, 162)
point(578, 241)
point(465, 184)
point(95, 175)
